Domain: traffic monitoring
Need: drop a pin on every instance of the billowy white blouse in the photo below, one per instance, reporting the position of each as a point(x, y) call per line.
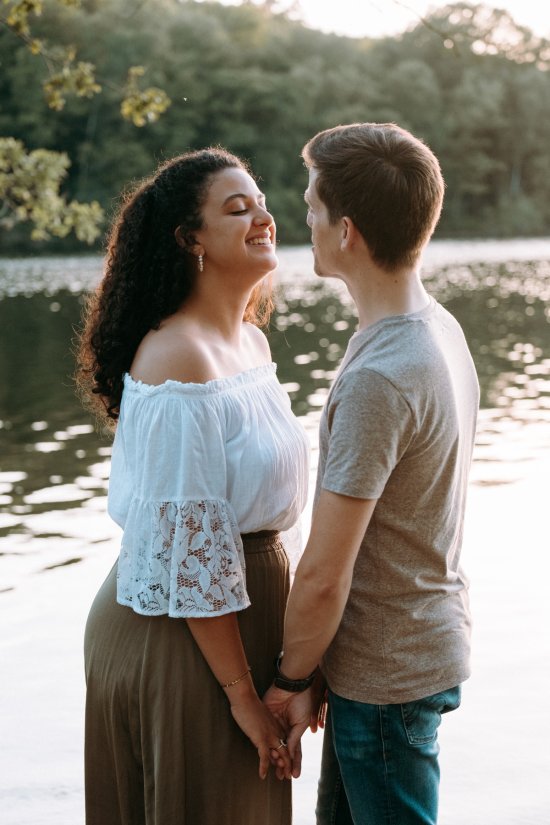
point(193, 466)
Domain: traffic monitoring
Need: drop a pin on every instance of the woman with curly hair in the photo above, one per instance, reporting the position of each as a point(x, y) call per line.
point(208, 466)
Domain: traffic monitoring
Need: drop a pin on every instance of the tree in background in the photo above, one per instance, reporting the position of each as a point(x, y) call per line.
point(251, 77)
point(30, 181)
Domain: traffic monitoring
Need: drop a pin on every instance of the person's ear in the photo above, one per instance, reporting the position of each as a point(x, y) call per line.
point(180, 238)
point(349, 234)
point(187, 241)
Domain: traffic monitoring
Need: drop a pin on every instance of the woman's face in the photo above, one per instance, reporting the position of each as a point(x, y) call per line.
point(238, 232)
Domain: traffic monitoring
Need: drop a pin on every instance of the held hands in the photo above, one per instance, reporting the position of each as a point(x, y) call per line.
point(264, 731)
point(281, 717)
point(297, 712)
point(293, 711)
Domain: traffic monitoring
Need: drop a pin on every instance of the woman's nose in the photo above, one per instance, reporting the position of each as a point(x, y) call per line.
point(264, 217)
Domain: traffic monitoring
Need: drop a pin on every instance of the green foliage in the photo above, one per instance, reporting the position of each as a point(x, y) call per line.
point(68, 76)
point(72, 78)
point(29, 191)
point(468, 80)
point(142, 107)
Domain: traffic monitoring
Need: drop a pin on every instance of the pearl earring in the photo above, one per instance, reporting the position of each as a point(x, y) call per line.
point(201, 264)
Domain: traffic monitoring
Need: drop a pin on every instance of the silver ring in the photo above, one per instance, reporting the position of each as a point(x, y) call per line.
point(282, 745)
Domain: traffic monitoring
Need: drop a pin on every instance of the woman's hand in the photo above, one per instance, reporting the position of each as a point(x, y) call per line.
point(293, 710)
point(264, 731)
point(220, 643)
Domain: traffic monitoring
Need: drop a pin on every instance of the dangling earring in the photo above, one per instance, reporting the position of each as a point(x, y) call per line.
point(201, 264)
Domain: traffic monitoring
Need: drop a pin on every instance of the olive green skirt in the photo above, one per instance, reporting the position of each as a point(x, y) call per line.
point(161, 746)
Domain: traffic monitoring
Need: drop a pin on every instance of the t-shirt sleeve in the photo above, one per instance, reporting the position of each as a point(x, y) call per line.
point(370, 426)
point(181, 550)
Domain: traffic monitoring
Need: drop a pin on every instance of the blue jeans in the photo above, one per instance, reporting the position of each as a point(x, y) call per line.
point(380, 762)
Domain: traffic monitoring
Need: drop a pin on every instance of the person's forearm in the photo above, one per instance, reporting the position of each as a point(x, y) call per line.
point(219, 640)
point(323, 579)
point(313, 614)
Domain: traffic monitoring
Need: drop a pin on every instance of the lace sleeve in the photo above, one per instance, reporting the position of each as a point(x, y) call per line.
point(182, 558)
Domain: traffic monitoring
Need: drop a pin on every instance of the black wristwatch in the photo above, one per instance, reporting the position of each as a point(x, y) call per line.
point(292, 685)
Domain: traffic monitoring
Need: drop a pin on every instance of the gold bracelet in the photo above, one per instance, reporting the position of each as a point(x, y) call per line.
point(234, 682)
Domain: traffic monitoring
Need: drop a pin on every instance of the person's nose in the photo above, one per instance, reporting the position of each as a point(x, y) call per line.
point(263, 217)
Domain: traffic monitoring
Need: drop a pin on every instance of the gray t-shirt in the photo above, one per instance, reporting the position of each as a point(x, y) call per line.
point(399, 426)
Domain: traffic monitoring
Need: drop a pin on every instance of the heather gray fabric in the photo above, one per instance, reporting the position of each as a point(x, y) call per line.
point(161, 746)
point(399, 426)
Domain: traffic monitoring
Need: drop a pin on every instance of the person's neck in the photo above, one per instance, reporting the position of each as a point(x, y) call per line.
point(379, 294)
point(222, 314)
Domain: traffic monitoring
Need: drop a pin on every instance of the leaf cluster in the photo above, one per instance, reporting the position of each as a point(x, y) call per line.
point(29, 191)
point(69, 76)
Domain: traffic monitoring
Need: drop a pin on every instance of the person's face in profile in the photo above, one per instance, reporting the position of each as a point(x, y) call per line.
point(325, 237)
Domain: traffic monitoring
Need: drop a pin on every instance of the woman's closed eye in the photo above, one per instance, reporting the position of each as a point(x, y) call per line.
point(246, 205)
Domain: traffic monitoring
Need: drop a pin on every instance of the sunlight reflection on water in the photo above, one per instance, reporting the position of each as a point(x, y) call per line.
point(54, 463)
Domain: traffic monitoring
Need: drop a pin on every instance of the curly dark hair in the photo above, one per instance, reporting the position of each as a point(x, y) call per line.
point(147, 274)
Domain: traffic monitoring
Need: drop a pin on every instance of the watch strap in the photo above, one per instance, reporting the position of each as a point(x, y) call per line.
point(292, 685)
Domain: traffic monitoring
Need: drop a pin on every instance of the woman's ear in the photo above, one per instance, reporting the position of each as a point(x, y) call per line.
point(181, 240)
point(188, 243)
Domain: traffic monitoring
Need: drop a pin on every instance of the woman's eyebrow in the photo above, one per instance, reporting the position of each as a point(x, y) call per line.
point(242, 195)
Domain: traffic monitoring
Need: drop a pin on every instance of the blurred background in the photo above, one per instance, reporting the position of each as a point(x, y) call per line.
point(93, 95)
point(117, 86)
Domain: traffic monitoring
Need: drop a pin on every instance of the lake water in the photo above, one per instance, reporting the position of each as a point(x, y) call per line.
point(56, 541)
point(53, 460)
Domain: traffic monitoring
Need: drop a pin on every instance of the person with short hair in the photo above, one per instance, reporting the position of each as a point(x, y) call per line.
point(208, 466)
point(380, 601)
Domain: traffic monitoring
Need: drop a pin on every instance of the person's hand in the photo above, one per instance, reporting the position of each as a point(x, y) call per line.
point(264, 731)
point(318, 703)
point(293, 710)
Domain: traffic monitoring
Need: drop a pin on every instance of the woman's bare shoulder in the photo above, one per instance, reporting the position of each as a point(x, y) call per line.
point(258, 341)
point(167, 354)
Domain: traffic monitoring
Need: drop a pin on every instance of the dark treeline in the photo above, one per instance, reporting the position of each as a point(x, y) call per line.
point(468, 80)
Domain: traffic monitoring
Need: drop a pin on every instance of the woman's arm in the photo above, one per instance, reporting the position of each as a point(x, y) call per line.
point(179, 351)
point(219, 641)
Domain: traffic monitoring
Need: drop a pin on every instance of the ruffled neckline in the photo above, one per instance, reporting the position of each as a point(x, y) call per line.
point(215, 385)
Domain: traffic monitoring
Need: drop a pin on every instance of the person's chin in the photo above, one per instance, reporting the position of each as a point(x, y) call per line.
point(268, 257)
point(319, 271)
point(317, 268)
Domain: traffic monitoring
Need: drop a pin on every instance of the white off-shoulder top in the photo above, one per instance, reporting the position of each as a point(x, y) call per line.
point(193, 466)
